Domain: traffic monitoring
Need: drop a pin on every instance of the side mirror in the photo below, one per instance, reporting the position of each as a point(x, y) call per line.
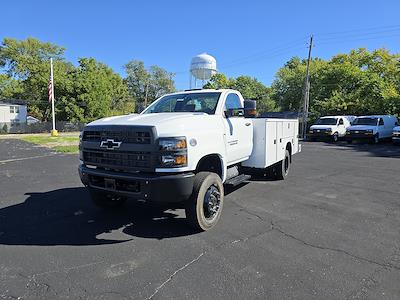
point(234, 112)
point(250, 108)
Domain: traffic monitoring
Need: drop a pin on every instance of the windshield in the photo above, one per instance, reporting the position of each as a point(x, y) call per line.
point(326, 121)
point(366, 121)
point(189, 102)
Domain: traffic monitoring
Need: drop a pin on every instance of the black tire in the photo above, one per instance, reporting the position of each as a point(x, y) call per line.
point(283, 167)
point(203, 208)
point(106, 200)
point(376, 138)
point(335, 137)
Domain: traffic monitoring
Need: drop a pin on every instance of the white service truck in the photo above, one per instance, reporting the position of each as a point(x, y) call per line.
point(182, 150)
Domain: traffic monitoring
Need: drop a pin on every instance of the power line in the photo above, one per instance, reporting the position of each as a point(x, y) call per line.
point(358, 39)
point(357, 30)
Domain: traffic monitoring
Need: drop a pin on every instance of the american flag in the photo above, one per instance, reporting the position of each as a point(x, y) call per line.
point(50, 90)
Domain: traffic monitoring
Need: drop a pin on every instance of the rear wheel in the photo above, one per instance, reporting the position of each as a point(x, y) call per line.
point(106, 200)
point(204, 207)
point(283, 167)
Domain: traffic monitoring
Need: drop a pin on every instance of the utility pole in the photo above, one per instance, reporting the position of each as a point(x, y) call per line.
point(307, 90)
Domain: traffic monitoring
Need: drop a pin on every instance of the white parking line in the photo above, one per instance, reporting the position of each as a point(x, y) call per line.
point(23, 158)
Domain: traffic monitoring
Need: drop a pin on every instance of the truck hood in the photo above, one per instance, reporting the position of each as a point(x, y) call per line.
point(314, 127)
point(361, 127)
point(397, 128)
point(167, 124)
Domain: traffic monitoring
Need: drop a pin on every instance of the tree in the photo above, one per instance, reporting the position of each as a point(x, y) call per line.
point(84, 93)
point(94, 91)
point(27, 62)
point(249, 87)
point(359, 82)
point(10, 88)
point(147, 85)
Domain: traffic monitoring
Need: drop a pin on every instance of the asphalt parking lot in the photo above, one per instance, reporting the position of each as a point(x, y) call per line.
point(330, 231)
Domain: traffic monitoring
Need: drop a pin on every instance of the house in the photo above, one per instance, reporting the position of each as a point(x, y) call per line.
point(13, 114)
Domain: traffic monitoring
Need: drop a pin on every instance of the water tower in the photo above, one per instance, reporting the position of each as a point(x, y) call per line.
point(202, 67)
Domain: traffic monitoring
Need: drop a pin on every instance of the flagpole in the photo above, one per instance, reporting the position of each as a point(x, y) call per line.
point(54, 132)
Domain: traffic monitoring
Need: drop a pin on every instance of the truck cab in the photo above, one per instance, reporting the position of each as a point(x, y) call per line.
point(330, 128)
point(180, 150)
point(372, 128)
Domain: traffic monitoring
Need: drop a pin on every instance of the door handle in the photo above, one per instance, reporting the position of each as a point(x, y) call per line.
point(248, 124)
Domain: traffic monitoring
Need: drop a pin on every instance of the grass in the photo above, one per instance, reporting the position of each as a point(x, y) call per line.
point(43, 140)
point(67, 149)
point(63, 144)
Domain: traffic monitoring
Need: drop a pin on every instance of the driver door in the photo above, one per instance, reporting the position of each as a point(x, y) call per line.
point(238, 131)
point(341, 127)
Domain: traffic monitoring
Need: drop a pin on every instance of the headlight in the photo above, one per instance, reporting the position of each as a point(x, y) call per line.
point(369, 131)
point(174, 160)
point(311, 131)
point(172, 144)
point(329, 130)
point(173, 152)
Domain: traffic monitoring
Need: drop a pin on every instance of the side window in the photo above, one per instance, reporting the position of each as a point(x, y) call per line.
point(381, 123)
point(341, 121)
point(233, 102)
point(12, 109)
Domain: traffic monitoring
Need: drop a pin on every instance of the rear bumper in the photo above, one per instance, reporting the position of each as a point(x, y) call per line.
point(150, 187)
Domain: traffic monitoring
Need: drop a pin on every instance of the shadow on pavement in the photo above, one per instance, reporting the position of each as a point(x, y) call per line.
point(67, 217)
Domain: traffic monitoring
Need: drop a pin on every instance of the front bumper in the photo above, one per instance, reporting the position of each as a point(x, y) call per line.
point(359, 136)
point(396, 139)
point(320, 135)
point(142, 186)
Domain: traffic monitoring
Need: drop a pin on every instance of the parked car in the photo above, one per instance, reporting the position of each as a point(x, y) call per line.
point(182, 150)
point(371, 128)
point(31, 120)
point(330, 128)
point(396, 134)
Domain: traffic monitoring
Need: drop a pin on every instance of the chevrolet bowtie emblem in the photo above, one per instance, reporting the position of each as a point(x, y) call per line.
point(110, 144)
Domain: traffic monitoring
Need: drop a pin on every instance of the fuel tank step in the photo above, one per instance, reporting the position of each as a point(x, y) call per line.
point(234, 181)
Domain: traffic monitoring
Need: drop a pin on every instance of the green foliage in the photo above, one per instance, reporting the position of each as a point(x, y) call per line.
point(357, 83)
point(147, 85)
point(95, 91)
point(249, 87)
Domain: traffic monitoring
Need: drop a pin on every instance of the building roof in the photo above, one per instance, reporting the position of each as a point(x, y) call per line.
point(12, 102)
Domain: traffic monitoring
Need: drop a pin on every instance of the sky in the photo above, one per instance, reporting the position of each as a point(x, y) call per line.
point(253, 38)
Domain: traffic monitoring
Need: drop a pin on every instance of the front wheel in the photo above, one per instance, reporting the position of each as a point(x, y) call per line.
point(376, 138)
point(204, 207)
point(335, 137)
point(283, 167)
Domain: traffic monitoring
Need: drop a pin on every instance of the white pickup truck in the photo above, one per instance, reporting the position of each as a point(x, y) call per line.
point(182, 150)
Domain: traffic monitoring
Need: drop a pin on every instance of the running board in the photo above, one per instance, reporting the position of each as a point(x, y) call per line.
point(235, 181)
